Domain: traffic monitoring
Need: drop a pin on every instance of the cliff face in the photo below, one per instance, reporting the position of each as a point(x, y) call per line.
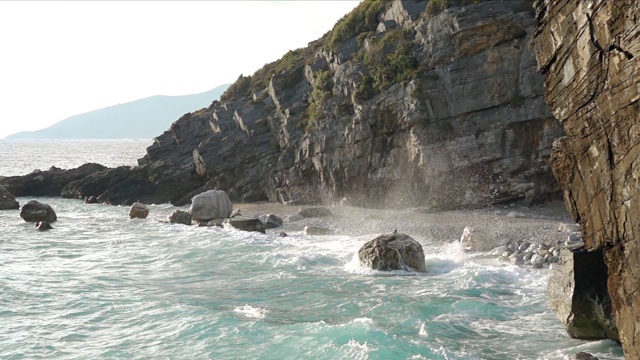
point(587, 51)
point(417, 108)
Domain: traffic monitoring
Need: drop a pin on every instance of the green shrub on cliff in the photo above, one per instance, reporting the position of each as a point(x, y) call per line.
point(322, 91)
point(388, 60)
point(291, 63)
point(362, 19)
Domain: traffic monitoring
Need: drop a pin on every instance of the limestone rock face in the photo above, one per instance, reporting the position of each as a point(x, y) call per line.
point(138, 211)
point(393, 252)
point(578, 295)
point(588, 52)
point(209, 205)
point(35, 211)
point(466, 125)
point(7, 200)
point(474, 130)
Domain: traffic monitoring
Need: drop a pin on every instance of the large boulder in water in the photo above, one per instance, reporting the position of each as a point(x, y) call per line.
point(473, 239)
point(209, 205)
point(392, 252)
point(578, 295)
point(7, 200)
point(35, 211)
point(138, 210)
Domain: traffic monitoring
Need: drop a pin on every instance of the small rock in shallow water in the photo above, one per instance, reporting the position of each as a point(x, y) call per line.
point(43, 226)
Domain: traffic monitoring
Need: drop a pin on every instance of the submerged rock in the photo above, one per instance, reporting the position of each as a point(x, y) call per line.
point(138, 210)
point(395, 251)
point(43, 226)
point(35, 211)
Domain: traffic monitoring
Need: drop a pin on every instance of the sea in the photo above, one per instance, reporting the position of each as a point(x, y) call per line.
point(102, 286)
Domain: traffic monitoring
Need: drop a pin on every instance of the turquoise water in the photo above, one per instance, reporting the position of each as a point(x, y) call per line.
point(102, 286)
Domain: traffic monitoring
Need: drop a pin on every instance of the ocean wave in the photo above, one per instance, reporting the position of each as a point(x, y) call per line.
point(251, 312)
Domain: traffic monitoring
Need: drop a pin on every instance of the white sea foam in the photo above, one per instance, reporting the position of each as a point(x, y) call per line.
point(251, 312)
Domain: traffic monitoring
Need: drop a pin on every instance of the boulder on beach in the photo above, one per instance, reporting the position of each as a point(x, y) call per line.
point(138, 210)
point(180, 217)
point(35, 211)
point(246, 223)
point(7, 200)
point(395, 251)
point(209, 205)
point(578, 295)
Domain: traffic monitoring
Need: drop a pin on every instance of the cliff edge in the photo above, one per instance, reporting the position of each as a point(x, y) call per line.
point(588, 53)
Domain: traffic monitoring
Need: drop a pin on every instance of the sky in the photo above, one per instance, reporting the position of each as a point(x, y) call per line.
point(59, 59)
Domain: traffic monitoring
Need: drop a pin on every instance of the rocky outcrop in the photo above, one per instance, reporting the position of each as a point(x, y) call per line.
point(468, 126)
point(588, 53)
point(578, 295)
point(49, 182)
point(392, 252)
point(7, 200)
point(414, 109)
point(35, 211)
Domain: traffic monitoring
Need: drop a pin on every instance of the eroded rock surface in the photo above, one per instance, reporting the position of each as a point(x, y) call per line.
point(35, 211)
point(395, 251)
point(7, 200)
point(588, 52)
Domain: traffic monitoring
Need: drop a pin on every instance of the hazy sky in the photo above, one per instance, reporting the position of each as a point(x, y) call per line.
point(59, 59)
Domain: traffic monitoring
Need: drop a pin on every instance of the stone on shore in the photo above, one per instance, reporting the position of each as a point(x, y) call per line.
point(246, 223)
point(7, 200)
point(138, 211)
point(578, 295)
point(35, 211)
point(180, 217)
point(395, 251)
point(209, 205)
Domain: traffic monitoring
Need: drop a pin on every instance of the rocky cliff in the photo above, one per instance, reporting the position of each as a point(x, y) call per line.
point(587, 51)
point(397, 105)
point(403, 103)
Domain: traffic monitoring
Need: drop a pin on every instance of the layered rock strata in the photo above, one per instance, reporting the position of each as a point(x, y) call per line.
point(442, 110)
point(588, 53)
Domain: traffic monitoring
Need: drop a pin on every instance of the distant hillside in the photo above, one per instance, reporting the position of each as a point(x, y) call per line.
point(140, 119)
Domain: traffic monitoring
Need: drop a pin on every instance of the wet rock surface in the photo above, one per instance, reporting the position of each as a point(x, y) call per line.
point(392, 252)
point(35, 211)
point(588, 52)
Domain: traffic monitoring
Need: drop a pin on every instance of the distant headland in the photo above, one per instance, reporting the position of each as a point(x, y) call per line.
point(138, 119)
